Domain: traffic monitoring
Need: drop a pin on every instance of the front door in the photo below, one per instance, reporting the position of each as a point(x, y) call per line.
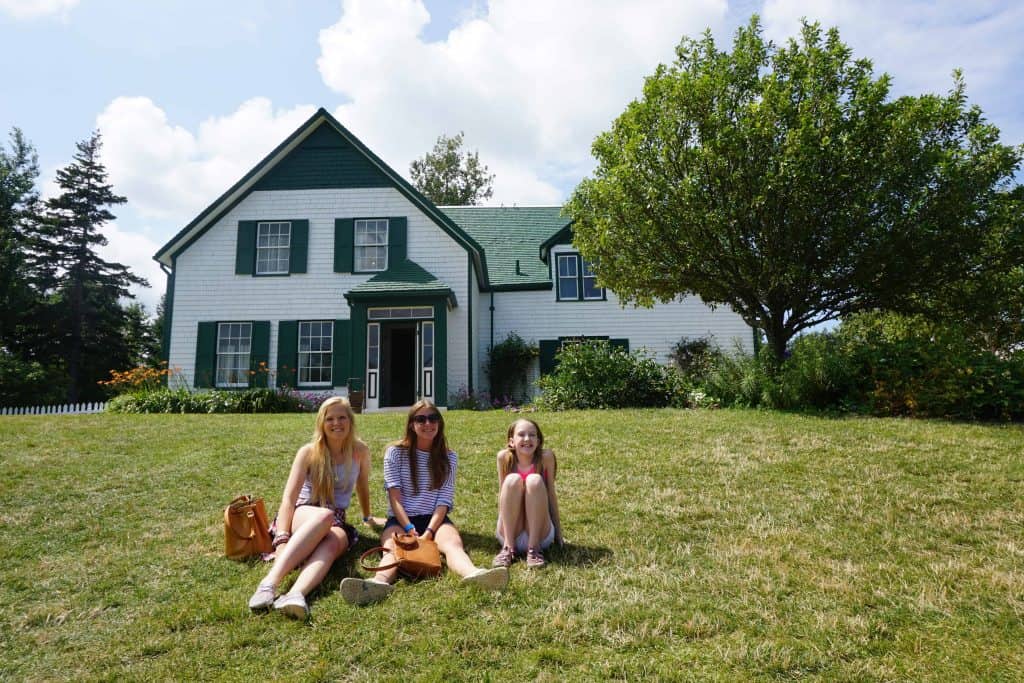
point(398, 364)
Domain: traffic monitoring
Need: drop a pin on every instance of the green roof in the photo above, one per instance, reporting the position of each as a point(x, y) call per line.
point(404, 279)
point(510, 234)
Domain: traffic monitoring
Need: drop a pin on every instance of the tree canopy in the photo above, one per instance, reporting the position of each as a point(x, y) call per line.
point(449, 176)
point(783, 181)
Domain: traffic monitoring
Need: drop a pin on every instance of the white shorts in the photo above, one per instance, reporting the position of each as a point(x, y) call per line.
point(522, 540)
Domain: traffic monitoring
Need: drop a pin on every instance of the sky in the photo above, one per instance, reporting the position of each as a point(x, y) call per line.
point(190, 94)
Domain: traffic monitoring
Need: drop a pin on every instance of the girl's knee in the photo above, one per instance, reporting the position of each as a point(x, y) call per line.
point(534, 482)
point(512, 482)
point(334, 545)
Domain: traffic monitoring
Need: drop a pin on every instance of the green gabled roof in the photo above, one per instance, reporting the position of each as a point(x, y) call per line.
point(324, 151)
point(406, 279)
point(510, 234)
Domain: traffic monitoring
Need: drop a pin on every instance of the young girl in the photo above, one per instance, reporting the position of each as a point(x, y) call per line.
point(528, 518)
point(419, 477)
point(310, 527)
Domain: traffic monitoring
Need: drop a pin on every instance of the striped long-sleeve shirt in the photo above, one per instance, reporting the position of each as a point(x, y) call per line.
point(398, 475)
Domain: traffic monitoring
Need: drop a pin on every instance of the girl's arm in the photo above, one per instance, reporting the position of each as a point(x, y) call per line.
point(361, 454)
point(550, 466)
point(291, 492)
point(501, 479)
point(395, 497)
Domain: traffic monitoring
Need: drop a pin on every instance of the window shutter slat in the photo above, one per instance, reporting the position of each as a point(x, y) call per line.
point(397, 240)
point(343, 244)
point(300, 247)
point(259, 357)
point(245, 248)
point(287, 353)
point(206, 355)
point(342, 359)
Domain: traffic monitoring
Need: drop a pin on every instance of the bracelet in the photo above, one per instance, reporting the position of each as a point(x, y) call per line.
point(408, 527)
point(281, 539)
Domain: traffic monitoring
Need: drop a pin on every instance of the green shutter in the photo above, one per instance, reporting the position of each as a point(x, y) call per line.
point(441, 354)
point(548, 351)
point(343, 244)
point(300, 246)
point(397, 240)
point(245, 249)
point(341, 361)
point(620, 344)
point(206, 355)
point(259, 357)
point(287, 353)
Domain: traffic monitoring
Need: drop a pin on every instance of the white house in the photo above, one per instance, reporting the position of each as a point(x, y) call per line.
point(324, 269)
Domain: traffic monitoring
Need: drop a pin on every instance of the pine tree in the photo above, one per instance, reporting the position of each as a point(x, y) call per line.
point(88, 287)
point(19, 208)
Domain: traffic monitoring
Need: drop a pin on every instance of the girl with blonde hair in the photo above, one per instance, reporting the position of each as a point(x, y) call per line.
point(311, 529)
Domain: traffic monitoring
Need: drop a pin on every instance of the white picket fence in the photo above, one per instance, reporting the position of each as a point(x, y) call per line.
point(65, 409)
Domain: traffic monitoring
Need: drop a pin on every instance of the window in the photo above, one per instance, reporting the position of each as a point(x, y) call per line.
point(414, 312)
point(273, 243)
point(234, 344)
point(316, 342)
point(576, 279)
point(371, 245)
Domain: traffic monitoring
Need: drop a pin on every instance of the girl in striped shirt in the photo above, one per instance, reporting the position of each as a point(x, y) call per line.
point(419, 477)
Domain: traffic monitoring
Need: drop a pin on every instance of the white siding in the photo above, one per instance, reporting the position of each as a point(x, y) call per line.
point(207, 289)
point(536, 315)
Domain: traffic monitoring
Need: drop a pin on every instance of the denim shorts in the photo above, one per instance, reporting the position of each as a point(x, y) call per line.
point(419, 521)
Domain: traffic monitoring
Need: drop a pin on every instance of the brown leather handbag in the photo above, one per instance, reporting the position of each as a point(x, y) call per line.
point(415, 557)
point(246, 530)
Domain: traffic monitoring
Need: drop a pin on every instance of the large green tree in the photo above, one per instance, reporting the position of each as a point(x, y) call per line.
point(89, 289)
point(449, 176)
point(784, 182)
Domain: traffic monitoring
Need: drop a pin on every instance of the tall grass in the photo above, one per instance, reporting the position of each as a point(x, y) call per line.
point(708, 545)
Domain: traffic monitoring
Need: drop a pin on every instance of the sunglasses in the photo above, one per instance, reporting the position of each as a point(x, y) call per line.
point(433, 418)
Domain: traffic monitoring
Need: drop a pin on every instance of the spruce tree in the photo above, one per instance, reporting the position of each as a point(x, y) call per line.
point(88, 287)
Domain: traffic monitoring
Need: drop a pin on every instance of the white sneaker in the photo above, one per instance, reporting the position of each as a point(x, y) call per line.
point(364, 592)
point(494, 579)
point(262, 599)
point(292, 605)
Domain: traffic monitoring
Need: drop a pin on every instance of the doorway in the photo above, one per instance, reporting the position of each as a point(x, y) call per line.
point(398, 366)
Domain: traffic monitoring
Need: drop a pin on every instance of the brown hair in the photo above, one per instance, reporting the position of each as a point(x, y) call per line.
point(508, 462)
point(439, 463)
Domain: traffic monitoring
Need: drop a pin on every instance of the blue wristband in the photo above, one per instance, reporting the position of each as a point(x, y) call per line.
point(408, 527)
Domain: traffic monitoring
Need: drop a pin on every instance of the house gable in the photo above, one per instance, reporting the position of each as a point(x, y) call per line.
point(320, 154)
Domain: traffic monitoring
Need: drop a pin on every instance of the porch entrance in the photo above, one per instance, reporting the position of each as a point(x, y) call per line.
point(399, 360)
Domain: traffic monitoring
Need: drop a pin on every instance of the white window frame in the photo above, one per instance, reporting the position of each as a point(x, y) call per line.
point(273, 238)
point(234, 351)
point(582, 276)
point(370, 234)
point(319, 347)
point(568, 277)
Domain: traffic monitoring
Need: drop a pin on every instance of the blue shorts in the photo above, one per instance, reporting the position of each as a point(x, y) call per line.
point(419, 521)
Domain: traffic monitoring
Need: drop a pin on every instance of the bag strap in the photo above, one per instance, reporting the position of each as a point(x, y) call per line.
point(228, 525)
point(240, 501)
point(378, 568)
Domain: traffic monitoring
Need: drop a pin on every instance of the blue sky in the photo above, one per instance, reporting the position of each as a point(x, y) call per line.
point(190, 94)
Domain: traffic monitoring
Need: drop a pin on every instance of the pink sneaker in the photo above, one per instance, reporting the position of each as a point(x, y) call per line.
point(505, 558)
point(534, 558)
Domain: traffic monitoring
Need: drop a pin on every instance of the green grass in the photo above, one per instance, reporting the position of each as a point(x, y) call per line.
point(705, 545)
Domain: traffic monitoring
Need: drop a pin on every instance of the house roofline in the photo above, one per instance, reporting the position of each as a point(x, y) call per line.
point(240, 189)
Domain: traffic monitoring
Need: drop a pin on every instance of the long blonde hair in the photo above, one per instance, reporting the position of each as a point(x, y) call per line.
point(508, 461)
point(319, 467)
point(438, 462)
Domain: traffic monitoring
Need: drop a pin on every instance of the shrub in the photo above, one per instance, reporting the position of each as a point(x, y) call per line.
point(464, 399)
point(818, 374)
point(507, 364)
point(694, 358)
point(185, 401)
point(595, 374)
point(740, 379)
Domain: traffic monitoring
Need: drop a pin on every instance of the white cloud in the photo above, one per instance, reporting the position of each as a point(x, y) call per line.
point(530, 82)
point(169, 172)
point(32, 9)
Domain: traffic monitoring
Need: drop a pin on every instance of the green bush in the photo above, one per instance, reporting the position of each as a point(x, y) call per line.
point(185, 401)
point(595, 374)
point(740, 379)
point(507, 364)
point(694, 358)
point(818, 374)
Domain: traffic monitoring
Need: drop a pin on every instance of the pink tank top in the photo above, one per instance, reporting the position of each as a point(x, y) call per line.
point(524, 475)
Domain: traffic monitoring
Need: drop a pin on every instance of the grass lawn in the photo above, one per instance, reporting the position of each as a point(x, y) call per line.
point(708, 545)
